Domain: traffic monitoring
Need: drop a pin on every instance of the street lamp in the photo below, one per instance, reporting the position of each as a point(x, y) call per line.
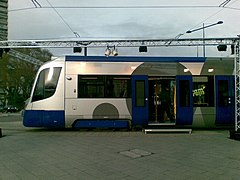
point(203, 28)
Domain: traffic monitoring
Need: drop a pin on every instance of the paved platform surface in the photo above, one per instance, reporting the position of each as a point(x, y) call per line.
point(31, 153)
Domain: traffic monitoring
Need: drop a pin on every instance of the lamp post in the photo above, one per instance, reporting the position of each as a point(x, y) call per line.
point(203, 28)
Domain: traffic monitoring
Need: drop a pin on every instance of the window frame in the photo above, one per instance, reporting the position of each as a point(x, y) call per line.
point(111, 86)
point(204, 88)
point(46, 84)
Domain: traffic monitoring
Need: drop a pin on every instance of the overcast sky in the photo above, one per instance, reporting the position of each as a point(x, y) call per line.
point(37, 19)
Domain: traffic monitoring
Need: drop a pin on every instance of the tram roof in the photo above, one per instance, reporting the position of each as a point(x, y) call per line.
point(133, 59)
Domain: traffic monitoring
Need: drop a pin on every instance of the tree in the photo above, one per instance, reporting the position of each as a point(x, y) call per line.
point(17, 76)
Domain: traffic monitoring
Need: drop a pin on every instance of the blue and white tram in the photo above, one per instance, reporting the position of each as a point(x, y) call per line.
point(122, 92)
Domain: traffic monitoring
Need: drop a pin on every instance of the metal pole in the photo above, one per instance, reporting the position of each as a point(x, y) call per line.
point(237, 85)
point(85, 51)
point(204, 50)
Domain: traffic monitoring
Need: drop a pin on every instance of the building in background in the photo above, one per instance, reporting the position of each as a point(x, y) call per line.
point(3, 36)
point(4, 19)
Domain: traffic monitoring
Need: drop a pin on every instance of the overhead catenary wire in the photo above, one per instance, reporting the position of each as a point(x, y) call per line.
point(121, 7)
point(36, 3)
point(223, 4)
point(214, 14)
point(64, 21)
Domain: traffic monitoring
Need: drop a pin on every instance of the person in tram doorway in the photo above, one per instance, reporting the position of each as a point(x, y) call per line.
point(165, 107)
point(157, 102)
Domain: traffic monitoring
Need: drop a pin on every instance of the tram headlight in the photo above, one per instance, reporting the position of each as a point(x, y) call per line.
point(210, 70)
point(186, 70)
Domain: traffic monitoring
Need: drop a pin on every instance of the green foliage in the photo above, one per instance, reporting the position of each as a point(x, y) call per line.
point(17, 76)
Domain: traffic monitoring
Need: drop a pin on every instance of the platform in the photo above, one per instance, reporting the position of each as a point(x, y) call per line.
point(44, 153)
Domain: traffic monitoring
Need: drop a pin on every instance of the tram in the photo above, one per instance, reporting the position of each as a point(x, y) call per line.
point(126, 92)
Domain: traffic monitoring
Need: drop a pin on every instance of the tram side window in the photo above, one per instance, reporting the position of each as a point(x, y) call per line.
point(184, 93)
point(140, 93)
point(203, 91)
point(90, 86)
point(223, 90)
point(104, 86)
point(46, 83)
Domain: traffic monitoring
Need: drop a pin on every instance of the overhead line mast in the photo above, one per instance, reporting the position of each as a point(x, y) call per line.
point(25, 57)
point(80, 42)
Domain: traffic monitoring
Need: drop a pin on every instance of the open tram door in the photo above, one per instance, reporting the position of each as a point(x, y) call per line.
point(140, 100)
point(162, 100)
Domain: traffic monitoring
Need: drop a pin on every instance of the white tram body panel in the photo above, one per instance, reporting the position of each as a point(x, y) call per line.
point(85, 108)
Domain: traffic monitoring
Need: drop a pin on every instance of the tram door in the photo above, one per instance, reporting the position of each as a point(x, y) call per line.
point(140, 100)
point(162, 100)
point(224, 100)
point(184, 100)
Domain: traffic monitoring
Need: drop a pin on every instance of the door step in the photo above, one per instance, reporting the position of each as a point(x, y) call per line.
point(161, 124)
point(167, 130)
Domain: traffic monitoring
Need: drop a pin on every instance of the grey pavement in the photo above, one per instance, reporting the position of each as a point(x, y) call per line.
point(32, 153)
